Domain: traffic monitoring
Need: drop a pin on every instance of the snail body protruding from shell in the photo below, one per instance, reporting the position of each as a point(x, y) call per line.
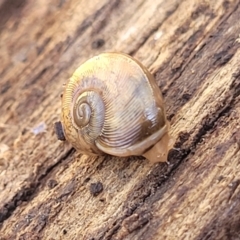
point(112, 105)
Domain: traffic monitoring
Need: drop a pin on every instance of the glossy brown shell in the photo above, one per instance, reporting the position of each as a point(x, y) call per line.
point(124, 107)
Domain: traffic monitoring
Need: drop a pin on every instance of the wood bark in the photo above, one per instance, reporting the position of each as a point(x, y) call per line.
point(49, 191)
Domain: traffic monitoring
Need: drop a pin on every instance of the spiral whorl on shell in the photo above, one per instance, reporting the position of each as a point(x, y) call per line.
point(113, 105)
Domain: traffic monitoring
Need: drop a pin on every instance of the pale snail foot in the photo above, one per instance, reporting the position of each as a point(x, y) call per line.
point(159, 152)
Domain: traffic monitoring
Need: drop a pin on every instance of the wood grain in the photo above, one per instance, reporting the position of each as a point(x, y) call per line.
point(193, 50)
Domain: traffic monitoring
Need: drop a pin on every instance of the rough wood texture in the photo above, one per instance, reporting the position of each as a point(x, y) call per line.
point(47, 191)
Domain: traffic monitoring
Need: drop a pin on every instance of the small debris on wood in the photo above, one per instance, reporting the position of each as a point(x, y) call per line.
point(59, 131)
point(52, 183)
point(24, 131)
point(96, 188)
point(40, 128)
point(98, 43)
point(220, 178)
point(87, 179)
point(102, 200)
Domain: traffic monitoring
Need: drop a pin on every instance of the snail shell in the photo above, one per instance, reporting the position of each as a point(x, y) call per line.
point(112, 105)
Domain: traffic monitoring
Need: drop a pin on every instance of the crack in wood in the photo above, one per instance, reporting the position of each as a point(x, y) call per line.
point(226, 52)
point(228, 226)
point(27, 193)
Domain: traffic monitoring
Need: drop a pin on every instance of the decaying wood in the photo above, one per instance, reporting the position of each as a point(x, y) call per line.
point(48, 191)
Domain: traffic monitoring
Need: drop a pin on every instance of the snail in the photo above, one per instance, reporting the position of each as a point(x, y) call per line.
point(112, 105)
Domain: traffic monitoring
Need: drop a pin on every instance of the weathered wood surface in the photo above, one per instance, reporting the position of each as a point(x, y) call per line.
point(193, 49)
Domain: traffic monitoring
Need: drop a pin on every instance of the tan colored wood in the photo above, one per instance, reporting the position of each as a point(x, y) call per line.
point(193, 50)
